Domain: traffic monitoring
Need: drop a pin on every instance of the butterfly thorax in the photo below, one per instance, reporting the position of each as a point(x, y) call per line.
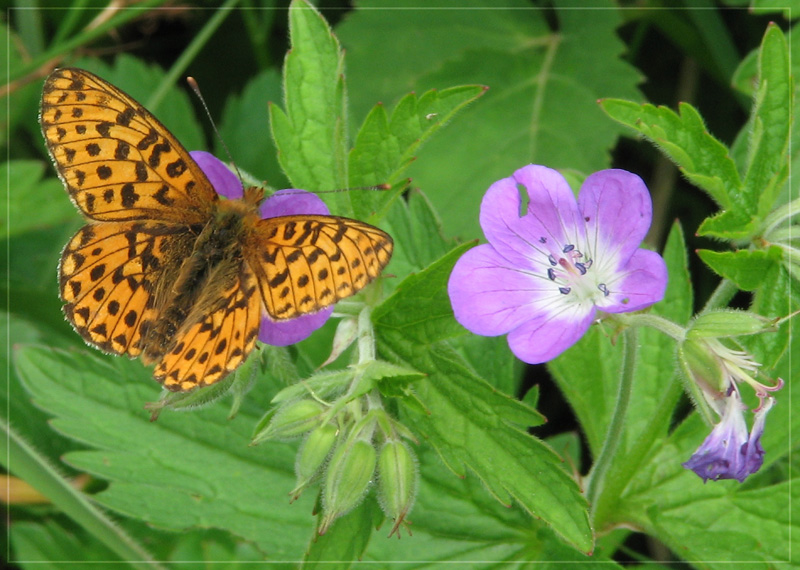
point(206, 275)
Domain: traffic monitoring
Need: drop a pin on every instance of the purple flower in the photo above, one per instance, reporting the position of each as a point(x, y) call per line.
point(718, 371)
point(547, 270)
point(728, 452)
point(283, 203)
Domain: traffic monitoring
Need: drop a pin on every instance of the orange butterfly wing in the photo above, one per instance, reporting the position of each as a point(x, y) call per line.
point(212, 343)
point(306, 263)
point(109, 276)
point(117, 161)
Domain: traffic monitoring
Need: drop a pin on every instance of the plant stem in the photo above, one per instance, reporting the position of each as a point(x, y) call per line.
point(615, 428)
point(779, 216)
point(70, 21)
point(55, 52)
point(657, 322)
point(366, 337)
point(191, 51)
point(721, 296)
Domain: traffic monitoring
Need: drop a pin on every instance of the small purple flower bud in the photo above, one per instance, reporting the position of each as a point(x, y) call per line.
point(754, 452)
point(728, 452)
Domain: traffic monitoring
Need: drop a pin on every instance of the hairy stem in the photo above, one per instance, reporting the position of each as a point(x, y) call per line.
point(607, 454)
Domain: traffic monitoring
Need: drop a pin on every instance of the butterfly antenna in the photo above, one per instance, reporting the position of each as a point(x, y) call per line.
point(196, 88)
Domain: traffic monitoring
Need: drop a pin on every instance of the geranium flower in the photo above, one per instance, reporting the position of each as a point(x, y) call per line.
point(729, 452)
point(546, 271)
point(282, 203)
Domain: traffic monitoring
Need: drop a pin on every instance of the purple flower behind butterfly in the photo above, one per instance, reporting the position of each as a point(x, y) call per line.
point(288, 202)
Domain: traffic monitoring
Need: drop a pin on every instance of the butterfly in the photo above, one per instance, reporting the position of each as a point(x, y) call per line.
point(165, 269)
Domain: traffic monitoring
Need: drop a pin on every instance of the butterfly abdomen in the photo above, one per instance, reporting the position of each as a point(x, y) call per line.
point(212, 267)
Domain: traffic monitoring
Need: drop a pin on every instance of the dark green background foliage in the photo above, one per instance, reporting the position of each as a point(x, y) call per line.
point(407, 98)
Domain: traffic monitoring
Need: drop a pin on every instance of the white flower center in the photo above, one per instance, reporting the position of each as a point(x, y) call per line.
point(571, 273)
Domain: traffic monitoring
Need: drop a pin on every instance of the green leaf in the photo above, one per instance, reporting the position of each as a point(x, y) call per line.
point(543, 86)
point(31, 192)
point(469, 422)
point(23, 461)
point(457, 523)
point(788, 8)
point(753, 526)
point(473, 426)
point(245, 129)
point(729, 225)
point(417, 232)
point(745, 77)
point(420, 308)
point(385, 147)
point(770, 125)
point(778, 297)
point(492, 359)
point(183, 471)
point(210, 548)
point(15, 403)
point(311, 133)
point(747, 268)
point(22, 102)
point(684, 138)
point(346, 540)
point(38, 545)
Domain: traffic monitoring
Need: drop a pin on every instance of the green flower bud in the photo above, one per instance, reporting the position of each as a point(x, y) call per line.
point(347, 479)
point(315, 450)
point(291, 420)
point(702, 376)
point(397, 481)
point(728, 323)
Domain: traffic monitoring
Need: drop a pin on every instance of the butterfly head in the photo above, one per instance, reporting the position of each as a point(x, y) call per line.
point(254, 195)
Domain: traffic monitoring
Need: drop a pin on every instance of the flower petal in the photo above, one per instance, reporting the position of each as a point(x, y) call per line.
point(225, 182)
point(552, 219)
point(544, 337)
point(284, 333)
point(617, 210)
point(292, 202)
point(722, 454)
point(754, 452)
point(489, 297)
point(639, 284)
